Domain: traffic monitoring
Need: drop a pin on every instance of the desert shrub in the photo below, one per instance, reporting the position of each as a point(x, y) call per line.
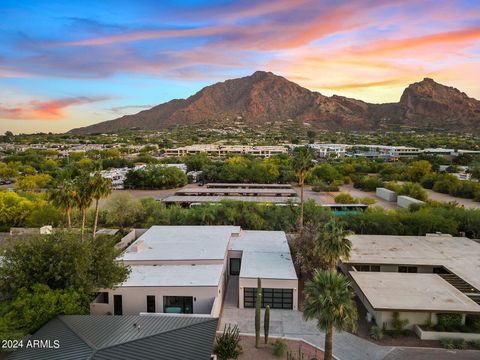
point(345, 198)
point(449, 322)
point(398, 324)
point(321, 186)
point(367, 183)
point(475, 344)
point(458, 344)
point(472, 322)
point(376, 332)
point(227, 345)
point(367, 200)
point(279, 347)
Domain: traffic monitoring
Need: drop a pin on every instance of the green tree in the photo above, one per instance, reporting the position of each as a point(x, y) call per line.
point(8, 171)
point(61, 261)
point(333, 243)
point(302, 162)
point(14, 209)
point(122, 210)
point(64, 197)
point(101, 188)
point(418, 169)
point(33, 182)
point(31, 309)
point(329, 300)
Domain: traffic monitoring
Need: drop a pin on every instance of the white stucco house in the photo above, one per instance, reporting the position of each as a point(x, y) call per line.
point(185, 269)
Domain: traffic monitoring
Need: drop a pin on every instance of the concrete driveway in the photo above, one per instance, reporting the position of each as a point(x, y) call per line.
point(289, 323)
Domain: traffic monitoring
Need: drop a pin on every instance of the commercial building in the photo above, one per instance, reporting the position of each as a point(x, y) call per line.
point(185, 269)
point(417, 276)
point(227, 150)
point(130, 337)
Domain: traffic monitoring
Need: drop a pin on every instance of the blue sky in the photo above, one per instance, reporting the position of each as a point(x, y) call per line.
point(65, 64)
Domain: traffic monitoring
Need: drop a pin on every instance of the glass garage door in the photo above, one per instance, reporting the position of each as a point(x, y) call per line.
point(275, 298)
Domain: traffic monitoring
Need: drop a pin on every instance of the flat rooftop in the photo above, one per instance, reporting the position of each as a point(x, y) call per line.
point(248, 185)
point(241, 191)
point(181, 243)
point(174, 275)
point(219, 198)
point(266, 255)
point(412, 292)
point(460, 255)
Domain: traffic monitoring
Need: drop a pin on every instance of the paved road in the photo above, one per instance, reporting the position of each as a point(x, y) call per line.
point(467, 203)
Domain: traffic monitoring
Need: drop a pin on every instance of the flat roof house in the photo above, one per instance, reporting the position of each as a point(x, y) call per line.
point(416, 276)
point(185, 269)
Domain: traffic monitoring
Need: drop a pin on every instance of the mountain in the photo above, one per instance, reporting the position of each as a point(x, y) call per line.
point(264, 96)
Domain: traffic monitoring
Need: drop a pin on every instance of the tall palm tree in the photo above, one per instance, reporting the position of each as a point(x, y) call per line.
point(84, 198)
point(63, 197)
point(332, 243)
point(329, 299)
point(100, 188)
point(302, 162)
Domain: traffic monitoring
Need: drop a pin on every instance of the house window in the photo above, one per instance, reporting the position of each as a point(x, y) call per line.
point(407, 269)
point(178, 304)
point(275, 298)
point(235, 266)
point(375, 268)
point(102, 298)
point(150, 303)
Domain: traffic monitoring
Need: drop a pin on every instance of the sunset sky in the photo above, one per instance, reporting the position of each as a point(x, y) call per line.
point(65, 64)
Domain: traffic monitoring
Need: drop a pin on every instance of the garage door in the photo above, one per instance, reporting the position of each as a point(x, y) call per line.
point(275, 298)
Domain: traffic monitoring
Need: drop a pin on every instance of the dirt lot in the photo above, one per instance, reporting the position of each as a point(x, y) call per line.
point(265, 352)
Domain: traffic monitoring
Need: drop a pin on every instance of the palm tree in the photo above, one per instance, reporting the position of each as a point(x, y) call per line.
point(329, 299)
point(302, 162)
point(64, 197)
point(332, 243)
point(100, 188)
point(84, 198)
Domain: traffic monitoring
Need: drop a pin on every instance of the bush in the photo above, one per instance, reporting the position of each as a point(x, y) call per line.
point(398, 324)
point(321, 186)
point(449, 322)
point(367, 183)
point(227, 345)
point(376, 332)
point(279, 347)
point(457, 344)
point(472, 322)
point(413, 190)
point(475, 344)
point(345, 198)
point(367, 200)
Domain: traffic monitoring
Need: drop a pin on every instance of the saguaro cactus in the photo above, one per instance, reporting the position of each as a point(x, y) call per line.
point(266, 323)
point(258, 306)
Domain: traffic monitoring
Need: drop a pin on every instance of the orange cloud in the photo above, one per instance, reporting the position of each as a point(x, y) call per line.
point(455, 38)
point(45, 110)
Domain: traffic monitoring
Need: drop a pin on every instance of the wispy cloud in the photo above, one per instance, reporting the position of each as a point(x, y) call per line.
point(45, 109)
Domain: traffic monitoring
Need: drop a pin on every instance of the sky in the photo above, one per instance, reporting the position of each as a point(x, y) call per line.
point(65, 64)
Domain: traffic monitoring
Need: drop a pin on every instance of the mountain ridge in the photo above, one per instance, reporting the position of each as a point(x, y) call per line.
point(264, 96)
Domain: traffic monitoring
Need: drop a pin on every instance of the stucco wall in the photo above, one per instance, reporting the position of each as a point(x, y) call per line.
point(439, 335)
point(135, 299)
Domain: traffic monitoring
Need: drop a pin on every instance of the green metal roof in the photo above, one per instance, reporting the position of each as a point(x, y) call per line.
point(125, 337)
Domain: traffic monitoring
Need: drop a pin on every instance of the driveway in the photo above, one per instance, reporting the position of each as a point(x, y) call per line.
point(288, 323)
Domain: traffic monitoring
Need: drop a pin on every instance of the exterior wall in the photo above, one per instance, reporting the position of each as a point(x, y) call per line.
point(268, 283)
point(386, 194)
point(134, 299)
point(406, 201)
point(438, 335)
point(385, 317)
point(130, 237)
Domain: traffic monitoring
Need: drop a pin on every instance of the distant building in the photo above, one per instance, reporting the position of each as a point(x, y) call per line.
point(225, 150)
